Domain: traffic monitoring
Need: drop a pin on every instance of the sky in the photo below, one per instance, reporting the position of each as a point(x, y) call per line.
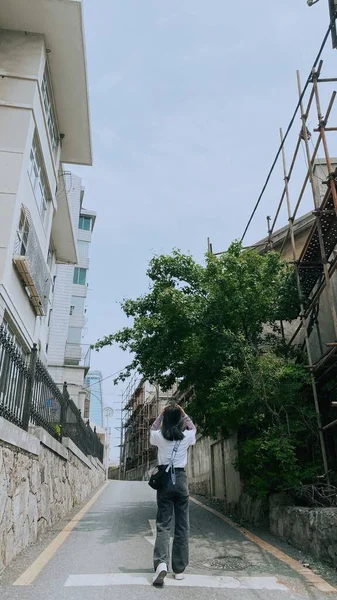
point(186, 101)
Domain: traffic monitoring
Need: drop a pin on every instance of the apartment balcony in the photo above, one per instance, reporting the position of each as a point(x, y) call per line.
point(78, 355)
point(62, 25)
point(77, 320)
point(31, 265)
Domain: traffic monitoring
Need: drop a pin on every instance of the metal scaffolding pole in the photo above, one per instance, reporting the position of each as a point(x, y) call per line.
point(315, 195)
point(302, 316)
point(316, 262)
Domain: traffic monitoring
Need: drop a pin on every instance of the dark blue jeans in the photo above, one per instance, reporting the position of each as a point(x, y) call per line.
point(173, 500)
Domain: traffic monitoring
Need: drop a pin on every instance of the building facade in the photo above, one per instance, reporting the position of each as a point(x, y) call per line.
point(68, 358)
point(42, 125)
point(142, 403)
point(94, 386)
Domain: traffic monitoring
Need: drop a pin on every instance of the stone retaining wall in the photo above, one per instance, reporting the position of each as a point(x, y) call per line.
point(252, 510)
point(313, 530)
point(40, 482)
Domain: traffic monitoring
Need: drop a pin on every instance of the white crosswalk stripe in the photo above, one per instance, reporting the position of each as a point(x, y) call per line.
point(198, 581)
point(152, 539)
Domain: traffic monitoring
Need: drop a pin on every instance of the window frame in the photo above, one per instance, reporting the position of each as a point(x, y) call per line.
point(83, 244)
point(22, 233)
point(85, 218)
point(38, 179)
point(80, 330)
point(16, 340)
point(77, 276)
point(50, 112)
point(81, 300)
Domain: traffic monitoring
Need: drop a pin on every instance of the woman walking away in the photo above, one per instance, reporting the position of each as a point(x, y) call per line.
point(173, 432)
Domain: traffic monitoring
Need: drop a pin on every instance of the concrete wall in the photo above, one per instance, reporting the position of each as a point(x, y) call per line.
point(199, 467)
point(40, 482)
point(139, 473)
point(211, 469)
point(74, 376)
point(320, 333)
point(59, 322)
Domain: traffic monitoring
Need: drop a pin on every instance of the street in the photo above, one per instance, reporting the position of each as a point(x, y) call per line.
point(108, 554)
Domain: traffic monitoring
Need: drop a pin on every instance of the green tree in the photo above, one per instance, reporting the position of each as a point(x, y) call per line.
point(215, 328)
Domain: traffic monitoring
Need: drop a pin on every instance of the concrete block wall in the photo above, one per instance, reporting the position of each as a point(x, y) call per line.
point(199, 467)
point(40, 482)
point(211, 470)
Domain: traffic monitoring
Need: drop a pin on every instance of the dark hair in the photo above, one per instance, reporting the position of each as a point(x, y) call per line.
point(172, 426)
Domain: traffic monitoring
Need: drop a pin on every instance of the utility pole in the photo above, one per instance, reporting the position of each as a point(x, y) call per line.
point(333, 16)
point(121, 440)
point(108, 413)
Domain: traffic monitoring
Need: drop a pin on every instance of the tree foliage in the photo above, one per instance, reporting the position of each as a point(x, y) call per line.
point(216, 329)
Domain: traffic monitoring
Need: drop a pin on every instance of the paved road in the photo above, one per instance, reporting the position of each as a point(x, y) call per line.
point(108, 555)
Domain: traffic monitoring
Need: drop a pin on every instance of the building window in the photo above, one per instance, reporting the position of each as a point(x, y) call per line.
point(50, 111)
point(49, 316)
point(22, 235)
point(15, 340)
point(85, 223)
point(80, 276)
point(83, 249)
point(74, 335)
point(77, 305)
point(38, 179)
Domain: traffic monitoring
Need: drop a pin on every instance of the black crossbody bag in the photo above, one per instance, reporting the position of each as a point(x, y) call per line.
point(163, 474)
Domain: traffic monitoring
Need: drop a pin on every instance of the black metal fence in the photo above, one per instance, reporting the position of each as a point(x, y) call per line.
point(29, 395)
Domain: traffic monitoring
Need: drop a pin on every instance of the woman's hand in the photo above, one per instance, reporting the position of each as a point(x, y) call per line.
point(182, 411)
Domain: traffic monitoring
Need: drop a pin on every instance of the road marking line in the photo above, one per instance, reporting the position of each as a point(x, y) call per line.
point(313, 579)
point(153, 527)
point(198, 581)
point(29, 576)
point(152, 539)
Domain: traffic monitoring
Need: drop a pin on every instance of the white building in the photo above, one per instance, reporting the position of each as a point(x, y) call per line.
point(68, 357)
point(44, 121)
point(93, 382)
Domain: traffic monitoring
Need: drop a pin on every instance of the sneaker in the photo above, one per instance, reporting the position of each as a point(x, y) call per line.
point(179, 576)
point(160, 574)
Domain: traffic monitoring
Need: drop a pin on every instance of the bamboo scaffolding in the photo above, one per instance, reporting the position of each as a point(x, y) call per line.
point(317, 262)
point(303, 318)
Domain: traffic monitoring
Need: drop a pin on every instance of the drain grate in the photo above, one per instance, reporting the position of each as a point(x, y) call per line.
point(227, 563)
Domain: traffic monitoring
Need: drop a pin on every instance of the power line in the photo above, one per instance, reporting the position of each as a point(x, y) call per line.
point(288, 130)
point(104, 378)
